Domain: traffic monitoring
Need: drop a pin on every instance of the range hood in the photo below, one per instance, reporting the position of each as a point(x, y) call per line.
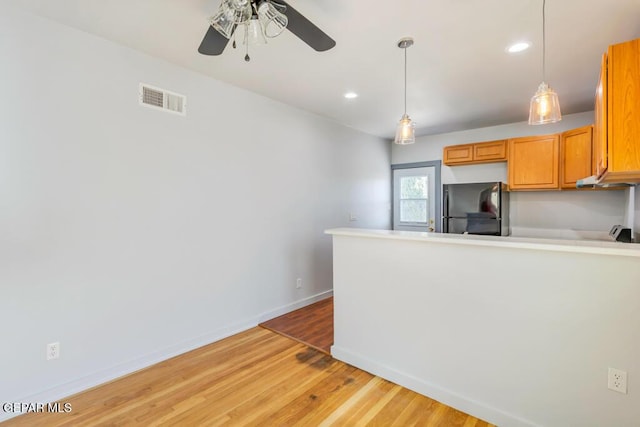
point(592, 181)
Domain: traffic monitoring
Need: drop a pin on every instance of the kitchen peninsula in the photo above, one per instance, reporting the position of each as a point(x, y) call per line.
point(516, 331)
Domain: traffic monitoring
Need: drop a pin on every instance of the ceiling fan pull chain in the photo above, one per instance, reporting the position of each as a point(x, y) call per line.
point(234, 39)
point(246, 38)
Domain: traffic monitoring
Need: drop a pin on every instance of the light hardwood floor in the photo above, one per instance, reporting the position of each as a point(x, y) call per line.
point(255, 378)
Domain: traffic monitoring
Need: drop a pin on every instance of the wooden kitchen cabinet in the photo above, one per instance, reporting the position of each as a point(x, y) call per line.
point(534, 163)
point(456, 154)
point(600, 126)
point(576, 156)
point(492, 151)
point(617, 111)
point(481, 152)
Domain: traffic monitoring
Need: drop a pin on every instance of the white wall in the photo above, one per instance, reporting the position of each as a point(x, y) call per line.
point(549, 212)
point(129, 234)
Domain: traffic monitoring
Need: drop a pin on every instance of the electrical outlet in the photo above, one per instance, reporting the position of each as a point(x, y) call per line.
point(617, 380)
point(53, 350)
point(298, 283)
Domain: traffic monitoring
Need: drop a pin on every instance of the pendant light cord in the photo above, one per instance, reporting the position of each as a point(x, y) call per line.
point(405, 81)
point(544, 44)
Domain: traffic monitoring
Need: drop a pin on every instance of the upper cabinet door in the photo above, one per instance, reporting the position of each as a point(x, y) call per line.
point(456, 154)
point(533, 163)
point(576, 156)
point(600, 127)
point(492, 151)
point(618, 114)
point(623, 96)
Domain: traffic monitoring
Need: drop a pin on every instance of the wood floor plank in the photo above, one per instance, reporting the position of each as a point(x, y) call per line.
point(285, 391)
point(352, 406)
point(255, 378)
point(408, 409)
point(313, 398)
point(336, 391)
point(379, 400)
point(152, 400)
point(223, 391)
point(454, 418)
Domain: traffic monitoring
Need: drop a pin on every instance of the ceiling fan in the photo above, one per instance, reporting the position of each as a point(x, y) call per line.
point(259, 19)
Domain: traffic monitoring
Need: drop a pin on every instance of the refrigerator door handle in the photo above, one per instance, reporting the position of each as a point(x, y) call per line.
point(445, 210)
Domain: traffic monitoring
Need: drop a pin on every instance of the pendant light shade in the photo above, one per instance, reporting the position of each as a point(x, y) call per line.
point(405, 133)
point(545, 106)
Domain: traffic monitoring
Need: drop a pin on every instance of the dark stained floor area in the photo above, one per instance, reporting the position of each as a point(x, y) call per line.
point(311, 325)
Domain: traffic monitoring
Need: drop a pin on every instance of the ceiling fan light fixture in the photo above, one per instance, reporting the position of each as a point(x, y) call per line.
point(405, 132)
point(239, 11)
point(273, 16)
point(253, 35)
point(230, 14)
point(237, 4)
point(273, 21)
point(222, 23)
point(545, 106)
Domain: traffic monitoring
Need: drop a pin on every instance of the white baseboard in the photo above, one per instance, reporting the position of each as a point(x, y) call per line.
point(433, 391)
point(70, 388)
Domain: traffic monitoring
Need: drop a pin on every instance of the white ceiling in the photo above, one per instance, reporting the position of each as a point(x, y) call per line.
point(459, 74)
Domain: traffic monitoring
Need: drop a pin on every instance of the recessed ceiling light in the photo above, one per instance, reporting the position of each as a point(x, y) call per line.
point(518, 47)
point(350, 95)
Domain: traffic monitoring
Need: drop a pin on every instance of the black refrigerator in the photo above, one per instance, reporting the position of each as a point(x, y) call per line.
point(476, 208)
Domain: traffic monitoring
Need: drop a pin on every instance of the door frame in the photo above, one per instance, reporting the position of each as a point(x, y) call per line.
point(437, 164)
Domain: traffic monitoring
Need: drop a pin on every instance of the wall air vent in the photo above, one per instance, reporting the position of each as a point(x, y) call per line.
point(162, 99)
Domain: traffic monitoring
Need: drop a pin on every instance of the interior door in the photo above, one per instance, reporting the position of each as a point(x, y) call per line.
point(416, 199)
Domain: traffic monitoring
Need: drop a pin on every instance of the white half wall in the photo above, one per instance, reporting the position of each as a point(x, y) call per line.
point(130, 235)
point(550, 212)
point(517, 336)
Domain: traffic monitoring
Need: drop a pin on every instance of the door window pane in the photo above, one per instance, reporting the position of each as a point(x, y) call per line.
point(414, 187)
point(413, 211)
point(414, 199)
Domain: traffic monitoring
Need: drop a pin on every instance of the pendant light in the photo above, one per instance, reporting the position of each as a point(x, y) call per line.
point(545, 107)
point(405, 133)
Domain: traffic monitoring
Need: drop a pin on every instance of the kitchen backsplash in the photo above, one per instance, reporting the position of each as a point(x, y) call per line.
point(583, 211)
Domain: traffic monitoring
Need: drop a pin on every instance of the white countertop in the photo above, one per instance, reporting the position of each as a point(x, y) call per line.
point(559, 245)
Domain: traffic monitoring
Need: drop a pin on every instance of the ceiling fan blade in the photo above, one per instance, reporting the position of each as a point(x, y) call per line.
point(213, 43)
point(305, 30)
